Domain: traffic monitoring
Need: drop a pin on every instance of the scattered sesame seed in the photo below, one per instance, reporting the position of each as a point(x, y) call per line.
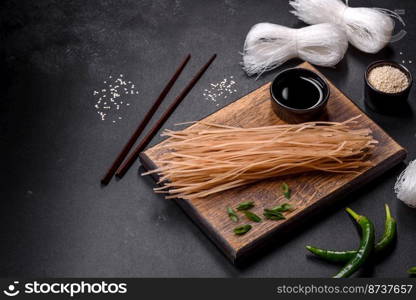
point(220, 90)
point(111, 91)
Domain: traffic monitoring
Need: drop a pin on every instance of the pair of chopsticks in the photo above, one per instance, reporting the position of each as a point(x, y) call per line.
point(119, 168)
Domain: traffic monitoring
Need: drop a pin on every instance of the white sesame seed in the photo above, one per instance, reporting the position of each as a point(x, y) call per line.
point(111, 90)
point(220, 90)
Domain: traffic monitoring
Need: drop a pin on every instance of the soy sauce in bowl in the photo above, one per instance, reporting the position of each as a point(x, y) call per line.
point(298, 95)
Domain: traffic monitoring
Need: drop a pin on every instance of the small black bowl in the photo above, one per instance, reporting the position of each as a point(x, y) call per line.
point(294, 114)
point(387, 103)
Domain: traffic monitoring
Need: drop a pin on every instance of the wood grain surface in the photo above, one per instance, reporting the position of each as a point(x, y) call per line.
point(310, 191)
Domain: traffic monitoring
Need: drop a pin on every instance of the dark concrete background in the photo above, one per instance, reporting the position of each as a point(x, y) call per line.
point(56, 219)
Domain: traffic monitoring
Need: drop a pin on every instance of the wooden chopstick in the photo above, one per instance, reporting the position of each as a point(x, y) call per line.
point(127, 147)
point(146, 140)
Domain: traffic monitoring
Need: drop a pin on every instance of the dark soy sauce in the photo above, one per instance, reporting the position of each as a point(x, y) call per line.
point(299, 92)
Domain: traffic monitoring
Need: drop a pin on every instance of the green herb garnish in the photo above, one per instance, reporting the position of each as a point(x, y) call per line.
point(286, 190)
point(283, 207)
point(232, 214)
point(245, 205)
point(273, 215)
point(252, 216)
point(240, 230)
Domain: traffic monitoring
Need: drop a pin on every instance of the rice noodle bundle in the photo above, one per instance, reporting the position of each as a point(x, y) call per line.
point(197, 162)
point(405, 186)
point(368, 29)
point(268, 45)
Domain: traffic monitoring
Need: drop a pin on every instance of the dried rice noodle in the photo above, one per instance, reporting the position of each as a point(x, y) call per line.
point(197, 162)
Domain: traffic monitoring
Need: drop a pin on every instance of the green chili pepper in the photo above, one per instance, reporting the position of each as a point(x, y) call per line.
point(366, 245)
point(412, 271)
point(344, 256)
point(390, 232)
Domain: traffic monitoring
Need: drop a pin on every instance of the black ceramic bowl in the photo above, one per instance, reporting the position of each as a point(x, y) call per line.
point(299, 113)
point(383, 102)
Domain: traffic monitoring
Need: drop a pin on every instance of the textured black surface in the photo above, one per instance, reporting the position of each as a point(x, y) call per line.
point(56, 219)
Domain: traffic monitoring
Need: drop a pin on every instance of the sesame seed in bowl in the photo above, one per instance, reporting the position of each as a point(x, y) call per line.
point(387, 86)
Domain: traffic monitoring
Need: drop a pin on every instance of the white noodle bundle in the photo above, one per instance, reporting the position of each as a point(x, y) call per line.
point(197, 162)
point(368, 29)
point(268, 45)
point(405, 186)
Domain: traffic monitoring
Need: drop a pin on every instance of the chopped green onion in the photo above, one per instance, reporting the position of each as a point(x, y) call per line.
point(273, 215)
point(232, 214)
point(245, 205)
point(240, 230)
point(252, 216)
point(283, 207)
point(286, 190)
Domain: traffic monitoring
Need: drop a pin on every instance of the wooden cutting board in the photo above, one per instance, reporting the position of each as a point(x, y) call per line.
point(309, 191)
